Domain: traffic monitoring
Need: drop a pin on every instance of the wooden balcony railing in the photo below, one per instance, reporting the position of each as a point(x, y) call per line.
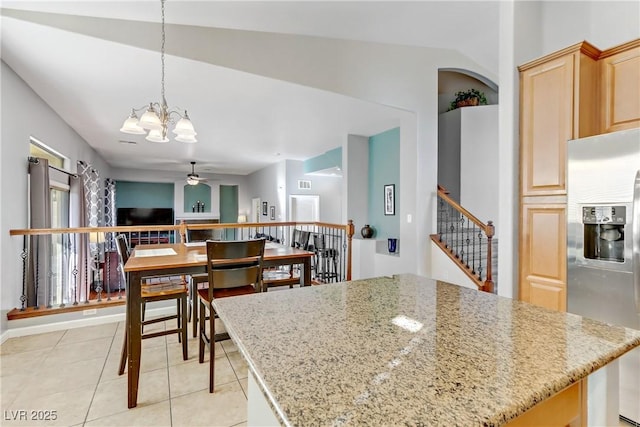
point(72, 269)
point(466, 240)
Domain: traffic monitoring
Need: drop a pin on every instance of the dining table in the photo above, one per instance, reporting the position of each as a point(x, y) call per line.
point(175, 259)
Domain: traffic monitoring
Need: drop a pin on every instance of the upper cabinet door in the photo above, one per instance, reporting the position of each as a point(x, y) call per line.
point(620, 70)
point(546, 123)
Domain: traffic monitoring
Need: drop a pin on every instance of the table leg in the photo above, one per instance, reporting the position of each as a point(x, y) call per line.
point(306, 267)
point(134, 339)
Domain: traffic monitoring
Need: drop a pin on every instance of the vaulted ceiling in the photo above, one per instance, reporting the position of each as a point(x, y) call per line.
point(75, 55)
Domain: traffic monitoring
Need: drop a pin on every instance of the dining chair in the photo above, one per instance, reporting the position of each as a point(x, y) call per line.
point(153, 289)
point(234, 268)
point(198, 280)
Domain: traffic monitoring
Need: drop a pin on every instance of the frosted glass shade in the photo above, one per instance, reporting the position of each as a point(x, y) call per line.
point(155, 135)
point(184, 127)
point(192, 181)
point(150, 120)
point(131, 126)
point(186, 138)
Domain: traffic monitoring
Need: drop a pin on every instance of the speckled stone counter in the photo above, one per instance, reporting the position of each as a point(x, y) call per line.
point(411, 351)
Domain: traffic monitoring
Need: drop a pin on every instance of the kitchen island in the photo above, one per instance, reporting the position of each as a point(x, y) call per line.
point(407, 350)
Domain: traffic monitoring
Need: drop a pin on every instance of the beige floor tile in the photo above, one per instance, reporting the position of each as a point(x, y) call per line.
point(153, 358)
point(111, 366)
point(193, 376)
point(25, 362)
point(156, 415)
point(239, 365)
point(174, 351)
point(226, 407)
point(72, 376)
point(244, 383)
point(111, 396)
point(63, 354)
point(229, 346)
point(64, 408)
point(31, 342)
point(242, 424)
point(153, 342)
point(11, 386)
point(89, 333)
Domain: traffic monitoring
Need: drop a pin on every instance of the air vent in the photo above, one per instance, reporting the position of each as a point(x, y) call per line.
point(304, 184)
point(127, 142)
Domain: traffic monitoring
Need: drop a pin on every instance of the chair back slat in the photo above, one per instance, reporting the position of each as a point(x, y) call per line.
point(232, 264)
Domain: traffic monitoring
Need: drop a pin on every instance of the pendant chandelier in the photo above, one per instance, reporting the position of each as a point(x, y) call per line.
point(158, 116)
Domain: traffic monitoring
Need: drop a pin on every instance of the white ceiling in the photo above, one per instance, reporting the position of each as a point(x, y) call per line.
point(244, 122)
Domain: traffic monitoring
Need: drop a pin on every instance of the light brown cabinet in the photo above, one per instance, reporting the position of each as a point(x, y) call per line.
point(620, 71)
point(543, 248)
point(557, 95)
point(551, 92)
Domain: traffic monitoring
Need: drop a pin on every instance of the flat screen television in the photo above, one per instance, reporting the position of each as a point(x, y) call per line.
point(144, 216)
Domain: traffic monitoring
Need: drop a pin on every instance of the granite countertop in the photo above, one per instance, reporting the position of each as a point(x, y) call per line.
point(411, 350)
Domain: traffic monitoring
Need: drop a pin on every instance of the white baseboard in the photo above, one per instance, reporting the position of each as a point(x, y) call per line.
point(20, 328)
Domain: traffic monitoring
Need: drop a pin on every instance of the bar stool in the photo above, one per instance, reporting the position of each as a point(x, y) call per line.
point(157, 289)
point(326, 259)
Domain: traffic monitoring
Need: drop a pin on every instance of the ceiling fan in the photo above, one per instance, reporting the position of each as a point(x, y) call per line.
point(193, 178)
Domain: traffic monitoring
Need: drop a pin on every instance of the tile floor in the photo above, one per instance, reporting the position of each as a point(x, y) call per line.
point(75, 373)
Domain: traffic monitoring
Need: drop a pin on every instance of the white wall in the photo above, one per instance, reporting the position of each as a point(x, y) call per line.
point(355, 172)
point(479, 162)
point(602, 23)
point(27, 116)
point(446, 270)
point(328, 188)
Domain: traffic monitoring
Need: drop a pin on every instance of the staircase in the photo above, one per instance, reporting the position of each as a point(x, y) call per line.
point(467, 241)
point(463, 248)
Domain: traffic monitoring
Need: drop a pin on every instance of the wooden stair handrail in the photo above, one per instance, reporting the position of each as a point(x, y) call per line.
point(487, 228)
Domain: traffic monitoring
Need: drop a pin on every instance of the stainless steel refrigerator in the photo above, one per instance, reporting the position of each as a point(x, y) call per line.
point(603, 242)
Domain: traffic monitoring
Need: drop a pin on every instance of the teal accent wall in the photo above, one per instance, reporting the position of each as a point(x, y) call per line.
point(195, 193)
point(131, 194)
point(384, 168)
point(229, 207)
point(330, 159)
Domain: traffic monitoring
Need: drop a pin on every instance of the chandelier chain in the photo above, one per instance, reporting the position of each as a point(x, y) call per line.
point(164, 102)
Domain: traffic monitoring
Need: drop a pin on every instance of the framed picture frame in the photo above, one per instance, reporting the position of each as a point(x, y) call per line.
point(264, 208)
point(272, 212)
point(390, 199)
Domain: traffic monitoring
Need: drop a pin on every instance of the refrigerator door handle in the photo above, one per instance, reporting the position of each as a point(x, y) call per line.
point(636, 239)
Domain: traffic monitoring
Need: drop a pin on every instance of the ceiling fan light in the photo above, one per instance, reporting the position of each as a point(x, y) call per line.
point(150, 119)
point(190, 139)
point(155, 135)
point(131, 126)
point(192, 181)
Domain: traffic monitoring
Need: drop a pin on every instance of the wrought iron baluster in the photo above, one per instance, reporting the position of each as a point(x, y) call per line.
point(24, 255)
point(480, 269)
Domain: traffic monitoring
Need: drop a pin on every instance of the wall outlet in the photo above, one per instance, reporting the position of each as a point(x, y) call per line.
point(89, 312)
point(409, 218)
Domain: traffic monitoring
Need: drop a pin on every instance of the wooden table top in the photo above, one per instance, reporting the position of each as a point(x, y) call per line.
point(190, 255)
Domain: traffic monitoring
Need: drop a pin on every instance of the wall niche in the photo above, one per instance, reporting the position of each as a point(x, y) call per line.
point(197, 198)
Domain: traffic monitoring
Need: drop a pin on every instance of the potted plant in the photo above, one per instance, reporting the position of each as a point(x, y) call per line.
point(467, 98)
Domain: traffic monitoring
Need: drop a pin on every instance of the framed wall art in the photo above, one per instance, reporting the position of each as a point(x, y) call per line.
point(390, 199)
point(272, 212)
point(264, 208)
